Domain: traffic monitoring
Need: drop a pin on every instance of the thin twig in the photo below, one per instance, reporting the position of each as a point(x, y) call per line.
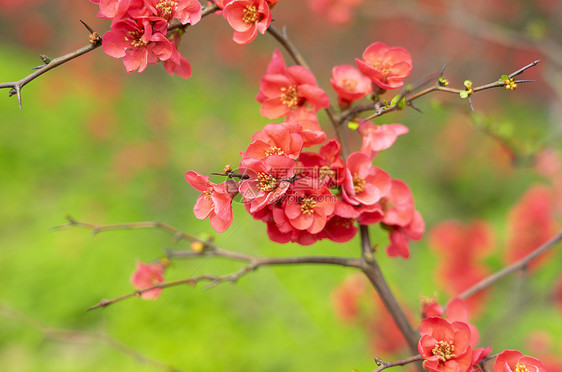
point(255, 263)
point(209, 250)
point(519, 265)
point(350, 114)
point(73, 336)
point(16, 86)
point(384, 365)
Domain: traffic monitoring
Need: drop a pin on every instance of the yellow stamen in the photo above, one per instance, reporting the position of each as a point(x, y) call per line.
point(251, 14)
point(267, 182)
point(167, 8)
point(289, 96)
point(307, 205)
point(445, 351)
point(358, 184)
point(274, 151)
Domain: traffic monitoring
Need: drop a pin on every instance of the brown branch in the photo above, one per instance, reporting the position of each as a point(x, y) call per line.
point(519, 265)
point(73, 336)
point(210, 250)
point(281, 37)
point(384, 365)
point(16, 86)
point(409, 98)
point(254, 264)
point(372, 270)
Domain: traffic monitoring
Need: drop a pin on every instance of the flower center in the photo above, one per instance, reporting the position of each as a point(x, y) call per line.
point(274, 150)
point(208, 193)
point(136, 39)
point(445, 351)
point(358, 184)
point(520, 368)
point(251, 14)
point(266, 182)
point(289, 96)
point(167, 8)
point(307, 205)
point(349, 84)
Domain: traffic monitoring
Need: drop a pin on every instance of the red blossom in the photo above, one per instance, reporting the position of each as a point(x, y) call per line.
point(445, 345)
point(185, 11)
point(138, 42)
point(379, 137)
point(363, 183)
point(326, 166)
point(514, 361)
point(386, 67)
point(276, 139)
point(283, 89)
point(215, 201)
point(247, 18)
point(309, 209)
point(403, 222)
point(146, 276)
point(349, 84)
point(269, 180)
point(177, 64)
point(312, 134)
point(110, 9)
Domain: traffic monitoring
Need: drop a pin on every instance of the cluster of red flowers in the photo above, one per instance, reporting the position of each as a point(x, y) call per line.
point(307, 196)
point(448, 343)
point(139, 32)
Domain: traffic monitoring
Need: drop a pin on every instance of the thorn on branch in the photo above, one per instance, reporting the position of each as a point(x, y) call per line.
point(90, 30)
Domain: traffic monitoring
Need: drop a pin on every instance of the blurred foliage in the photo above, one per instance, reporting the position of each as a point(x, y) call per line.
point(108, 147)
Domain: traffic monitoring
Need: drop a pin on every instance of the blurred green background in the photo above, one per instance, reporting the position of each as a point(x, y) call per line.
point(107, 147)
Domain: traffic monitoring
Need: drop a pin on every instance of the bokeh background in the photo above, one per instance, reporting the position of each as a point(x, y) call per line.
point(106, 147)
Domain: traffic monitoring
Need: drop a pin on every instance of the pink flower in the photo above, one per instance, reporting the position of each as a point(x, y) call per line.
point(215, 201)
point(386, 67)
point(326, 166)
point(400, 236)
point(138, 42)
point(146, 276)
point(363, 183)
point(276, 139)
point(247, 17)
point(177, 64)
point(445, 346)
point(110, 9)
point(284, 89)
point(349, 84)
point(309, 209)
point(312, 134)
point(514, 361)
point(185, 11)
point(339, 229)
point(269, 180)
point(379, 137)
